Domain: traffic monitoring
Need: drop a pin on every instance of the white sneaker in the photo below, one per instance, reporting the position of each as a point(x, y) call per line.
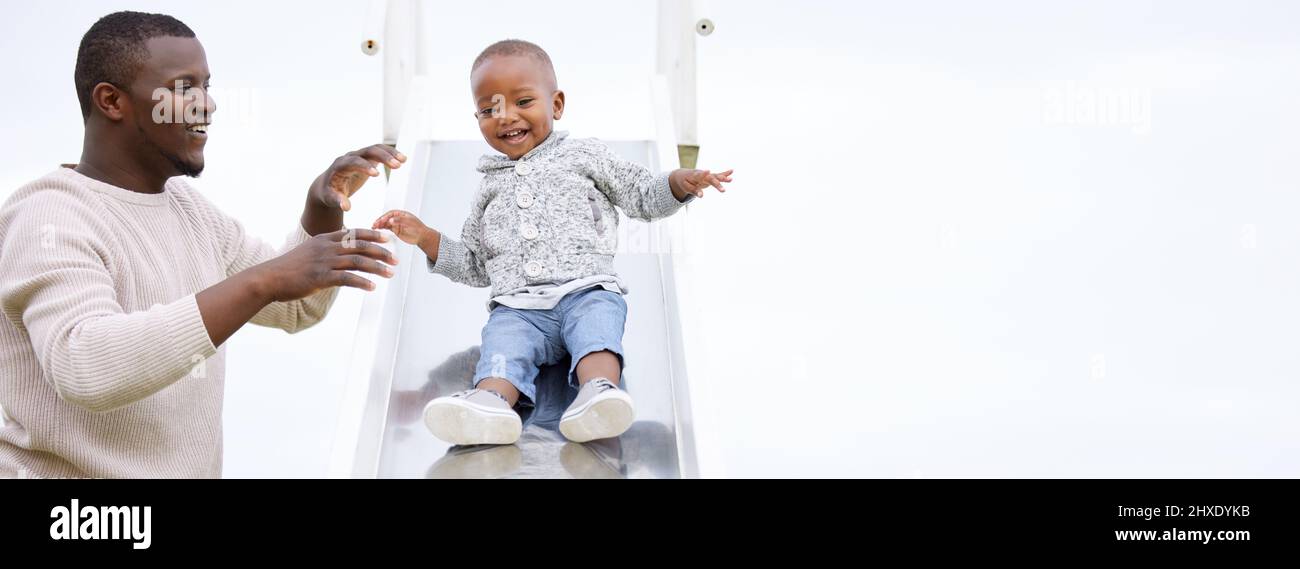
point(600, 411)
point(473, 417)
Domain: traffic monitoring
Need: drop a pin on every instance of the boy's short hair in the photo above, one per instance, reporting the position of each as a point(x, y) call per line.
point(512, 47)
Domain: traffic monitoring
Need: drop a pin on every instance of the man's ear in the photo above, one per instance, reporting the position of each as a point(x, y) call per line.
point(109, 100)
point(557, 105)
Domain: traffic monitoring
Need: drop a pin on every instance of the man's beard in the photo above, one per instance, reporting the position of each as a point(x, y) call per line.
point(182, 167)
point(186, 169)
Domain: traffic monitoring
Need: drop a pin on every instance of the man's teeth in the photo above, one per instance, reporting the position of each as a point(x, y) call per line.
point(198, 128)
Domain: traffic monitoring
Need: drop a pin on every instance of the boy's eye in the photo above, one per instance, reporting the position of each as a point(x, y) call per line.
point(485, 113)
point(524, 102)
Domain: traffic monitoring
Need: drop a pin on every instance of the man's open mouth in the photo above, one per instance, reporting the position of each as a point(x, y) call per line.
point(197, 129)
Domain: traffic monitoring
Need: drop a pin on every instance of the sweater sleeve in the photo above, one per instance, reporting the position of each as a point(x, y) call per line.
point(243, 251)
point(640, 193)
point(96, 355)
point(463, 261)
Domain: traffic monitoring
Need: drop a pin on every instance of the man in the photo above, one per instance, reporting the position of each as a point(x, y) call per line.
point(120, 282)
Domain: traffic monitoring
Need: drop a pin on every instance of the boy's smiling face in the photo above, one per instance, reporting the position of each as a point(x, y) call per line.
point(516, 102)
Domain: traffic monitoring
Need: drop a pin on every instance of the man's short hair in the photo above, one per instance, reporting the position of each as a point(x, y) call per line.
point(114, 49)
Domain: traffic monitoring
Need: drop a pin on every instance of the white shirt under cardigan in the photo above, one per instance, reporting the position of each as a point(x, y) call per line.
point(106, 368)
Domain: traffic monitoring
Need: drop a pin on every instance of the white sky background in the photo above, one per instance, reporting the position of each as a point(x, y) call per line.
point(949, 270)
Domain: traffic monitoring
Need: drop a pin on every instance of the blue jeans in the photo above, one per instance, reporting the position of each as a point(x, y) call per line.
point(517, 342)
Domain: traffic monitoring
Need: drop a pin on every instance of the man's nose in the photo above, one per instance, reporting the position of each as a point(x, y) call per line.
point(210, 105)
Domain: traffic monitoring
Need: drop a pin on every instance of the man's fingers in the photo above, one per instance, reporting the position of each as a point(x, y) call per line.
point(383, 154)
point(362, 234)
point(349, 175)
point(356, 164)
point(363, 264)
point(378, 153)
point(370, 250)
point(336, 198)
point(333, 198)
point(344, 278)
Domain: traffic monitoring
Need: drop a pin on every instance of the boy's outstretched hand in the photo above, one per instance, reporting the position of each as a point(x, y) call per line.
point(685, 182)
point(404, 224)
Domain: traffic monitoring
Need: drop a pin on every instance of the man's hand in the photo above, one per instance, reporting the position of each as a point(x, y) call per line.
point(349, 172)
point(330, 194)
point(685, 182)
point(325, 261)
point(321, 262)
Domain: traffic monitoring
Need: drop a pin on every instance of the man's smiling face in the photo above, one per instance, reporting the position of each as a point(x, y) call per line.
point(170, 104)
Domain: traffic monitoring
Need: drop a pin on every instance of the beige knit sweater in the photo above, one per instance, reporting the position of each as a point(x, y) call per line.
point(106, 369)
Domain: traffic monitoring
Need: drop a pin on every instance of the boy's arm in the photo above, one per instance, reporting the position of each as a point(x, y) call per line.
point(631, 187)
point(460, 261)
point(643, 194)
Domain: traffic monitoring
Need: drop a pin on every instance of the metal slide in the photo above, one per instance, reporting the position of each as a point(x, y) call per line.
point(437, 325)
point(419, 333)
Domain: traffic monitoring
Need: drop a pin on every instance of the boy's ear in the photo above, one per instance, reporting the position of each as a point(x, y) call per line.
point(557, 105)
